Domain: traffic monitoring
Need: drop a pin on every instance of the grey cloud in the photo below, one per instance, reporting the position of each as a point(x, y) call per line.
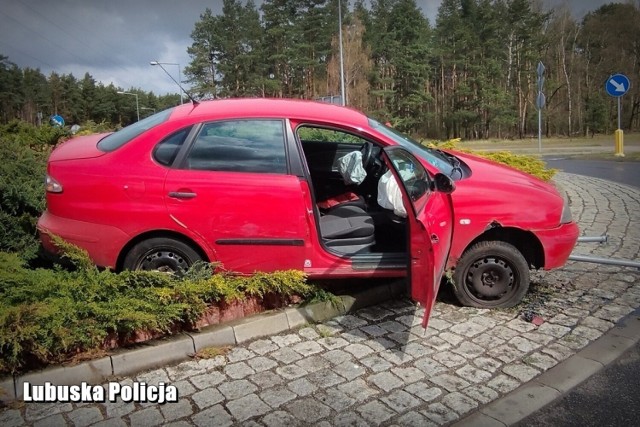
point(114, 40)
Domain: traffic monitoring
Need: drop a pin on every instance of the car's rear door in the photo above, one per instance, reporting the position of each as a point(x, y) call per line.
point(233, 188)
point(430, 219)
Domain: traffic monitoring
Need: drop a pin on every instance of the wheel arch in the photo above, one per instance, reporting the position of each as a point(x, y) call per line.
point(525, 241)
point(159, 233)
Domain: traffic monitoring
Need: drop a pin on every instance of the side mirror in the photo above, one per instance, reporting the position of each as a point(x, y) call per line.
point(443, 184)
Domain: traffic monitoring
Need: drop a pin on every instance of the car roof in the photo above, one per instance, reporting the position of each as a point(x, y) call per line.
point(268, 108)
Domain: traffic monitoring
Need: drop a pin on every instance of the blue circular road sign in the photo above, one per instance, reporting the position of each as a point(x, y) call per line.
point(617, 85)
point(56, 120)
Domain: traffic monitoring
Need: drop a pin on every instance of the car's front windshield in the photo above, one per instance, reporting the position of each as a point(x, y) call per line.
point(118, 139)
point(434, 157)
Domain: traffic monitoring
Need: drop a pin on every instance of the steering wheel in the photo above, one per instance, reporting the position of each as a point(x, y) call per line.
point(367, 150)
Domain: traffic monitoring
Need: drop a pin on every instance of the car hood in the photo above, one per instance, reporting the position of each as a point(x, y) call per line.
point(80, 147)
point(507, 195)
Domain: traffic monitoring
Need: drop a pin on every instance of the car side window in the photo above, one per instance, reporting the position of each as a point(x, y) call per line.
point(240, 146)
point(167, 150)
point(318, 134)
point(323, 145)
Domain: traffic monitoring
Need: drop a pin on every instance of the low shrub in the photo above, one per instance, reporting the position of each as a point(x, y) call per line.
point(50, 315)
point(529, 164)
point(36, 137)
point(90, 127)
point(22, 196)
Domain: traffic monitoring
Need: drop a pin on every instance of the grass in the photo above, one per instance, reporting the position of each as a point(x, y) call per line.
point(320, 295)
point(211, 352)
point(600, 147)
point(324, 333)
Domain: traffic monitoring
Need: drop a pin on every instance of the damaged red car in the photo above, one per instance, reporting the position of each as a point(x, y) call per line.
point(264, 185)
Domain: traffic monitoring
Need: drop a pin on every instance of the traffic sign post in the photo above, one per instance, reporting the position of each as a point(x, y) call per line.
point(617, 85)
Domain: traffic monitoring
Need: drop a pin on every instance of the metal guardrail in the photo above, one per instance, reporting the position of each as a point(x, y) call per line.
point(600, 260)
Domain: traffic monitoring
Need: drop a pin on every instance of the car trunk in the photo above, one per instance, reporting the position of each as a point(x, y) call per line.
point(81, 147)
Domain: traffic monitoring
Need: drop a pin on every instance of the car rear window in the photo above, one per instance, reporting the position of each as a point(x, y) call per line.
point(118, 139)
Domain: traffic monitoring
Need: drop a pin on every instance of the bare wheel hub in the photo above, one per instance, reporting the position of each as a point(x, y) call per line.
point(163, 261)
point(490, 277)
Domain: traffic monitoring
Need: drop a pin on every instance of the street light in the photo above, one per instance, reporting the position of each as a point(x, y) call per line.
point(136, 95)
point(179, 74)
point(342, 89)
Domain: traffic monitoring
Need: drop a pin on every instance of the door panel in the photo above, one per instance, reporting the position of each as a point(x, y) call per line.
point(233, 190)
point(436, 225)
point(252, 221)
point(430, 219)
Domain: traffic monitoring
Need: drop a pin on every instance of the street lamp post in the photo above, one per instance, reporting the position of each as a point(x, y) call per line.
point(342, 89)
point(179, 74)
point(137, 105)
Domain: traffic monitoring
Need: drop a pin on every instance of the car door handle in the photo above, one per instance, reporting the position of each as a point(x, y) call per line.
point(182, 195)
point(435, 238)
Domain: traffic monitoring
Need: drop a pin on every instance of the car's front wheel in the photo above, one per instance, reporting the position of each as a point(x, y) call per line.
point(491, 274)
point(161, 254)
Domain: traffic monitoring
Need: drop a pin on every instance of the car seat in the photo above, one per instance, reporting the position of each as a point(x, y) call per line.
point(349, 229)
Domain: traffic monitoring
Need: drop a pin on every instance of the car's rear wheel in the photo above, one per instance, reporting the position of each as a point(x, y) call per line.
point(491, 274)
point(161, 254)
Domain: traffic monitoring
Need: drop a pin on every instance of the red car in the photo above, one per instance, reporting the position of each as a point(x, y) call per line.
point(264, 185)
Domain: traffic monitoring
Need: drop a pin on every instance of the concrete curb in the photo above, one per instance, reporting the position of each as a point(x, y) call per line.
point(177, 348)
point(557, 381)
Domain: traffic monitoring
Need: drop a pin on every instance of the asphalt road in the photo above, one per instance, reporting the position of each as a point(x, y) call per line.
point(622, 172)
point(612, 396)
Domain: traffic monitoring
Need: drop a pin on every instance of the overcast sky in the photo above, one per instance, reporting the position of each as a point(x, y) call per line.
point(114, 40)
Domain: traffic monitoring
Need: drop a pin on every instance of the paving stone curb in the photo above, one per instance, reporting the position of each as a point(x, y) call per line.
point(180, 347)
point(557, 381)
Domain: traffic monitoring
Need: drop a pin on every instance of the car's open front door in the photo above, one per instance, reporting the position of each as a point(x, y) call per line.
point(430, 218)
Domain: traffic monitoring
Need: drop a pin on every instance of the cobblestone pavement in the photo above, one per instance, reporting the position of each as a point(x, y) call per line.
point(379, 367)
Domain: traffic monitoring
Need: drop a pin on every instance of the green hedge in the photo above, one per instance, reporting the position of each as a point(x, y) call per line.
point(529, 164)
point(36, 137)
point(49, 315)
point(22, 200)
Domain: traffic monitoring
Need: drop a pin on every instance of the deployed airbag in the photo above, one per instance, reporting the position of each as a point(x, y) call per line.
point(351, 169)
point(390, 196)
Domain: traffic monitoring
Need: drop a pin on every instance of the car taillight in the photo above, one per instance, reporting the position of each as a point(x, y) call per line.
point(52, 186)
